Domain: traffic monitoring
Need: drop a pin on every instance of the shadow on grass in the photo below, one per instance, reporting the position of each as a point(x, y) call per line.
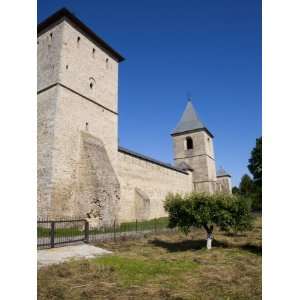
point(194, 245)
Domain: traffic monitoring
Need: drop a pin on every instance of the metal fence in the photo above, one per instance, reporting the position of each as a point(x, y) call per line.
point(51, 233)
point(61, 231)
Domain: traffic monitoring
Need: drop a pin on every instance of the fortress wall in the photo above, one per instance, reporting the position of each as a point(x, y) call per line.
point(80, 66)
point(46, 108)
point(70, 167)
point(49, 56)
point(144, 186)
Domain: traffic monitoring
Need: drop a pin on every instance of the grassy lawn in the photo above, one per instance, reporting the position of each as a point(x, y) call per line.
point(167, 266)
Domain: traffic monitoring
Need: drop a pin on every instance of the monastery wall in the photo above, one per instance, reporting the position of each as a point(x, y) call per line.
point(144, 186)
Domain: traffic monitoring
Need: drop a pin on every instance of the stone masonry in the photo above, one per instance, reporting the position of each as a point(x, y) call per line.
point(82, 171)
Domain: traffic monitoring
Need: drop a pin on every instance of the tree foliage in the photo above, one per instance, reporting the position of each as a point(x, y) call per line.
point(235, 190)
point(255, 167)
point(246, 185)
point(255, 162)
point(228, 212)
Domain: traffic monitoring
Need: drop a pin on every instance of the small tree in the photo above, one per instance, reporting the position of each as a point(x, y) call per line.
point(255, 167)
point(255, 162)
point(235, 190)
point(201, 210)
point(246, 185)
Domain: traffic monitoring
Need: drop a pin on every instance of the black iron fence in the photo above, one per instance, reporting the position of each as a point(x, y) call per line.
point(61, 231)
point(64, 231)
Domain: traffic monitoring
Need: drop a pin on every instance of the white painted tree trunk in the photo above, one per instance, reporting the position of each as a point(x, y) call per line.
point(209, 241)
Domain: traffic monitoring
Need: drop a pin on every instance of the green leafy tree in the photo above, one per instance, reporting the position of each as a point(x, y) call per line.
point(246, 185)
point(255, 162)
point(235, 190)
point(255, 167)
point(228, 212)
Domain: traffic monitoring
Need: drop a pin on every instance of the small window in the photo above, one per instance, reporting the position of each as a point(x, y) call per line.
point(51, 35)
point(189, 143)
point(92, 83)
point(94, 50)
point(78, 39)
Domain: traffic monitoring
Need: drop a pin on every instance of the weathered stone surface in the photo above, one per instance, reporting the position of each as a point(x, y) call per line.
point(153, 180)
point(224, 184)
point(98, 186)
point(200, 158)
point(142, 205)
point(80, 170)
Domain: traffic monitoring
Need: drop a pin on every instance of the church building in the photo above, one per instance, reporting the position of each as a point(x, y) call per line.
point(82, 170)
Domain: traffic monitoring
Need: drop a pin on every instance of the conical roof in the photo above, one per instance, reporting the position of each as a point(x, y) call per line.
point(189, 120)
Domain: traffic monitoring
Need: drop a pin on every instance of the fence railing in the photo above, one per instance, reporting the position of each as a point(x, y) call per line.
point(64, 231)
point(61, 231)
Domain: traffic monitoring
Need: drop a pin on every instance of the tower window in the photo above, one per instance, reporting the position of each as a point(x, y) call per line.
point(92, 82)
point(94, 50)
point(51, 35)
point(189, 143)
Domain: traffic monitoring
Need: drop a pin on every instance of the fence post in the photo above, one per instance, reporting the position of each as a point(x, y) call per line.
point(86, 231)
point(155, 230)
point(114, 230)
point(136, 225)
point(52, 234)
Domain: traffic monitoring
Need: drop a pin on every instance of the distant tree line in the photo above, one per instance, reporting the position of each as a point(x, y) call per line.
point(252, 187)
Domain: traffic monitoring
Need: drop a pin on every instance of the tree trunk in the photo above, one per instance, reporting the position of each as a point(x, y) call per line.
point(209, 241)
point(209, 231)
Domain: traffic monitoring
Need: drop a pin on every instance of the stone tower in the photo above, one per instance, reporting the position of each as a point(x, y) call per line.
point(224, 181)
point(193, 148)
point(77, 120)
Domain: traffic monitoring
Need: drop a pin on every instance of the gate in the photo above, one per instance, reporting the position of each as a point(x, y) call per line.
point(59, 232)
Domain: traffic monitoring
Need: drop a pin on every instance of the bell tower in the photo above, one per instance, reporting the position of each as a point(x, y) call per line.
point(193, 148)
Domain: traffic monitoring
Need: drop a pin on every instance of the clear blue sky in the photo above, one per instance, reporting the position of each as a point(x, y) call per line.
point(211, 49)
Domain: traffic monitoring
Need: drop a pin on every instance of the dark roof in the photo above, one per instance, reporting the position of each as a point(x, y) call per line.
point(149, 159)
point(222, 173)
point(64, 14)
point(189, 121)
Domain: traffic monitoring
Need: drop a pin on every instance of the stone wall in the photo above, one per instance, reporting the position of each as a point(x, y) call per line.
point(46, 108)
point(83, 63)
point(224, 184)
point(145, 185)
point(68, 105)
point(73, 113)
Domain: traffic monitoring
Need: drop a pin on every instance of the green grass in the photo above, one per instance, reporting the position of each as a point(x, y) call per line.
point(138, 271)
point(166, 266)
